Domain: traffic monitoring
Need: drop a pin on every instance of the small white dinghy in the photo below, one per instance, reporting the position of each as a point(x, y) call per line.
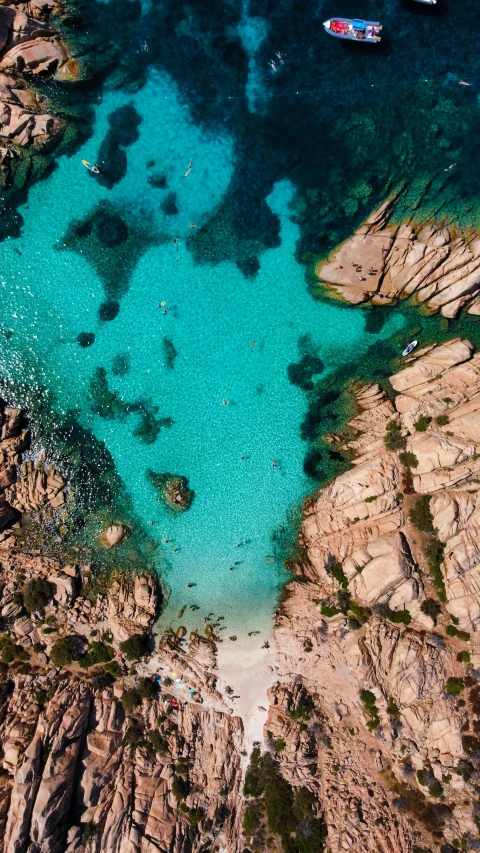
point(430, 2)
point(408, 349)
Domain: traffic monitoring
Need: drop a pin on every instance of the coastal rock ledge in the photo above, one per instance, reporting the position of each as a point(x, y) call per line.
point(384, 262)
point(382, 628)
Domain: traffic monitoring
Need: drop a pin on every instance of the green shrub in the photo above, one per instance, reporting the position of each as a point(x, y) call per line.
point(334, 568)
point(280, 744)
point(101, 680)
point(328, 611)
point(452, 631)
point(431, 608)
point(251, 820)
point(37, 592)
point(38, 647)
point(463, 657)
point(97, 652)
point(130, 700)
point(454, 686)
point(113, 668)
point(371, 499)
point(158, 743)
point(64, 651)
point(394, 440)
point(134, 737)
point(422, 423)
point(399, 617)
point(420, 515)
point(435, 789)
point(361, 614)
point(408, 459)
point(135, 647)
point(179, 788)
point(447, 399)
point(442, 420)
point(434, 551)
point(399, 497)
point(369, 702)
point(41, 698)
point(253, 786)
point(146, 689)
point(393, 709)
point(196, 815)
point(303, 708)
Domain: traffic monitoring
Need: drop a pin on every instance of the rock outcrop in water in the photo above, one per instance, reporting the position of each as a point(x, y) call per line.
point(382, 716)
point(384, 262)
point(29, 46)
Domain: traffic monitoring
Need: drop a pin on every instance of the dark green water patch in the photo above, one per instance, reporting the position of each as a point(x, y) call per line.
point(170, 353)
point(122, 132)
point(330, 404)
point(86, 339)
point(110, 406)
point(113, 242)
point(121, 364)
point(169, 204)
point(96, 494)
point(301, 373)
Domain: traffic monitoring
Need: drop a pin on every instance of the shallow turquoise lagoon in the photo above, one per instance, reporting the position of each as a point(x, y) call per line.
point(51, 294)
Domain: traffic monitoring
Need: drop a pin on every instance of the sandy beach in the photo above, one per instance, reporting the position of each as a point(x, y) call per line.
point(249, 671)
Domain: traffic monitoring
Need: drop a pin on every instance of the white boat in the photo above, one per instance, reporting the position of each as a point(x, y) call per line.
point(411, 346)
point(353, 29)
point(429, 2)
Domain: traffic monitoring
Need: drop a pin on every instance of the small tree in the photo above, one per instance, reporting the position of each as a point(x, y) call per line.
point(130, 700)
point(64, 651)
point(37, 592)
point(135, 647)
point(431, 608)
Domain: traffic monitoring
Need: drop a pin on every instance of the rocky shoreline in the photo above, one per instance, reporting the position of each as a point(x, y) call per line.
point(384, 262)
point(114, 741)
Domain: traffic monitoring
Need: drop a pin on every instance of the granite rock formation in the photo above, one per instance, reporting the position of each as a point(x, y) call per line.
point(381, 629)
point(384, 262)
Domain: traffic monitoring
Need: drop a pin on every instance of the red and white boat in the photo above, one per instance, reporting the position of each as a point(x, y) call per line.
point(354, 29)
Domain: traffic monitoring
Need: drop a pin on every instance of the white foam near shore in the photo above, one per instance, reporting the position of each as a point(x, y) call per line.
point(249, 671)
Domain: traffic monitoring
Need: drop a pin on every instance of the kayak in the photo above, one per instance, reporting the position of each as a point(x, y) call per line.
point(411, 346)
point(91, 167)
point(353, 29)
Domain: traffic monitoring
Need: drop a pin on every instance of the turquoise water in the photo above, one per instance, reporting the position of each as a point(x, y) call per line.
point(50, 294)
point(282, 165)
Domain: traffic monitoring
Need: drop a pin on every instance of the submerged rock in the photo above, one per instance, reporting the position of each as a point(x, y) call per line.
point(113, 535)
point(173, 490)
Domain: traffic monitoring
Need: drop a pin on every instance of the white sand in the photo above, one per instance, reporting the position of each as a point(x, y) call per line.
point(249, 671)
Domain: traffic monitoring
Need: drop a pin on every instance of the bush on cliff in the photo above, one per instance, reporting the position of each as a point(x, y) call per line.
point(394, 439)
point(431, 608)
point(422, 423)
point(130, 700)
point(64, 651)
point(420, 515)
point(97, 653)
point(37, 592)
point(135, 647)
point(408, 459)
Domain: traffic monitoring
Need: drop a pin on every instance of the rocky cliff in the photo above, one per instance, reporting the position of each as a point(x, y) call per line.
point(372, 740)
point(377, 701)
point(383, 262)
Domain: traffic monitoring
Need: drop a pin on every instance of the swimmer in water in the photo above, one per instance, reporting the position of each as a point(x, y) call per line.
point(224, 402)
point(252, 345)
